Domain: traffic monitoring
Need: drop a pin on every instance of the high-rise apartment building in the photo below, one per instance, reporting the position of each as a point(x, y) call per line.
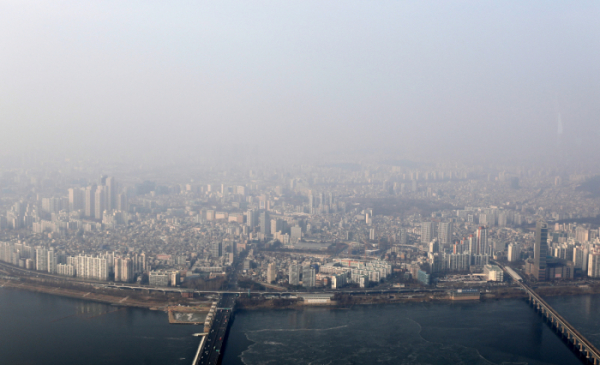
point(111, 193)
point(513, 252)
point(482, 242)
point(277, 225)
point(76, 199)
point(540, 251)
point(89, 267)
point(309, 277)
point(265, 223)
point(445, 233)
point(41, 259)
point(427, 232)
point(271, 272)
point(99, 202)
point(90, 201)
point(594, 266)
point(582, 234)
point(52, 261)
point(122, 203)
point(251, 218)
point(295, 234)
point(294, 274)
point(580, 258)
point(216, 249)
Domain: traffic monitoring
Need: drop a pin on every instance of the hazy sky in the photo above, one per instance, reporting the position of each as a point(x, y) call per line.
point(464, 79)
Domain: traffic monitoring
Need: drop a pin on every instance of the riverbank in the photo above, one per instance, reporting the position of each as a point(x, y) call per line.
point(340, 301)
point(126, 301)
point(343, 301)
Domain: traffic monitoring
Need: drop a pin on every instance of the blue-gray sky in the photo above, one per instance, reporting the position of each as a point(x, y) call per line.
point(448, 79)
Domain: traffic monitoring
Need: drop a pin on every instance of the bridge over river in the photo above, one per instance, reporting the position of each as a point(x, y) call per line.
point(563, 328)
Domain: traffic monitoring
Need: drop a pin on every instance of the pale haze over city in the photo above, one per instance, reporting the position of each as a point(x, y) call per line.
point(484, 80)
point(299, 182)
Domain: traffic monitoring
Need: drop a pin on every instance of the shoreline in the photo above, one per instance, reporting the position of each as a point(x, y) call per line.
point(83, 295)
point(163, 304)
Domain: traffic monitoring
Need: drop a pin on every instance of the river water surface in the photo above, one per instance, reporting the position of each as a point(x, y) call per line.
point(489, 332)
point(37, 328)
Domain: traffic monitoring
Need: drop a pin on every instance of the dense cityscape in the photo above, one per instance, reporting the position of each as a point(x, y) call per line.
point(306, 228)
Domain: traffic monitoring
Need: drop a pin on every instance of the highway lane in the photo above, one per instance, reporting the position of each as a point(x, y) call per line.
point(217, 335)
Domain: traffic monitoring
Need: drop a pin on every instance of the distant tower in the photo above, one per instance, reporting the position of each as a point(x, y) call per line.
point(540, 250)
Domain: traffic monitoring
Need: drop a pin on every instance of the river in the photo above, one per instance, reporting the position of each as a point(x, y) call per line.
point(37, 328)
point(490, 332)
